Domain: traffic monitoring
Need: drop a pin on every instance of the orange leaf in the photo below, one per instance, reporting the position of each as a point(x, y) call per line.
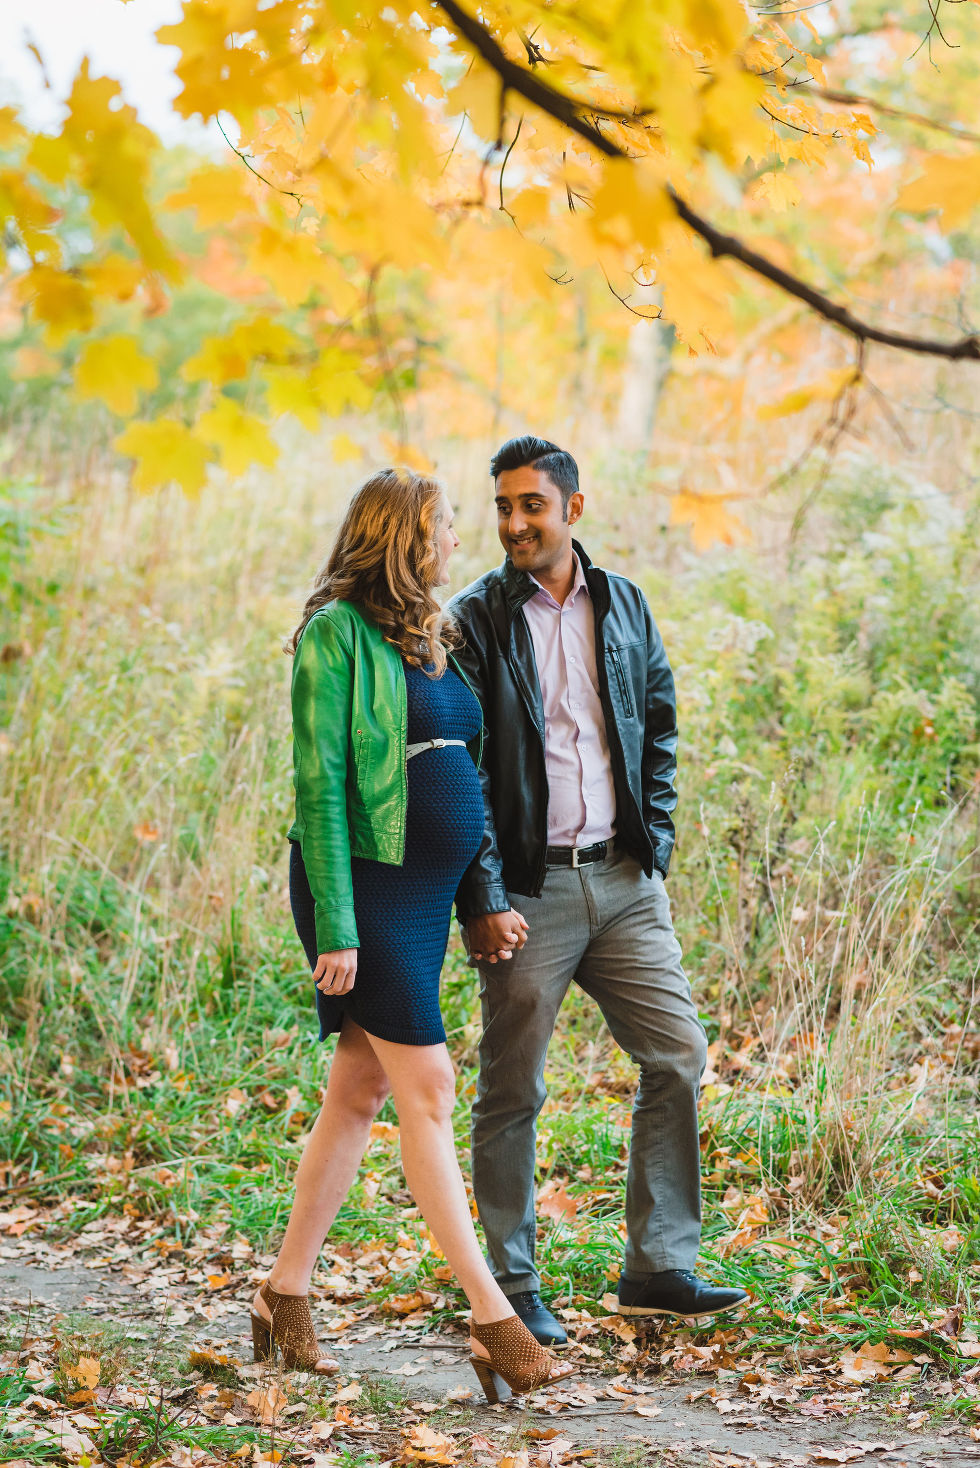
point(708, 518)
point(85, 1371)
point(267, 1402)
point(554, 1202)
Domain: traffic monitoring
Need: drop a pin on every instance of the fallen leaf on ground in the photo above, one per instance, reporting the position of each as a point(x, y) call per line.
point(554, 1202)
point(266, 1402)
point(85, 1371)
point(424, 1445)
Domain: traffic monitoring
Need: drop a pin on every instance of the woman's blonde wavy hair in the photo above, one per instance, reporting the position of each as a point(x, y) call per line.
point(386, 559)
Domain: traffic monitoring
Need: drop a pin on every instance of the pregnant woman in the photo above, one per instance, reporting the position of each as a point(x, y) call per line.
point(389, 814)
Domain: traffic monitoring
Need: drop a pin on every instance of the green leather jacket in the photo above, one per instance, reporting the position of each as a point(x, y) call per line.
point(350, 717)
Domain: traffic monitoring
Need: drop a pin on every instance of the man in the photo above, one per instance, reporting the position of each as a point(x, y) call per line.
point(578, 776)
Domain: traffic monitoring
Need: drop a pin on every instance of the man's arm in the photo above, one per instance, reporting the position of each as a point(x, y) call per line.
point(659, 748)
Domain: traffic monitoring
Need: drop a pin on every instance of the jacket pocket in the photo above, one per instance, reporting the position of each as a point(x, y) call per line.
point(362, 757)
point(623, 681)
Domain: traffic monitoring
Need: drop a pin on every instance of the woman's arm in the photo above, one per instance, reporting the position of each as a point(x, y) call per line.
point(321, 701)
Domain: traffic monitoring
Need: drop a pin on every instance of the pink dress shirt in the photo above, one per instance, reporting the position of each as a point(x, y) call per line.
point(581, 793)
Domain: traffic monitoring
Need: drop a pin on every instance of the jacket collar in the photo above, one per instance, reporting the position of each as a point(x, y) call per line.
point(519, 587)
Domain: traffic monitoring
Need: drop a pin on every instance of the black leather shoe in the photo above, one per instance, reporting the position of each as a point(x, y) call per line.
point(676, 1292)
point(538, 1318)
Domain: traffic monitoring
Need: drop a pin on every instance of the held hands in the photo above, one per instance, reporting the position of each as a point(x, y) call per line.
point(334, 972)
point(495, 935)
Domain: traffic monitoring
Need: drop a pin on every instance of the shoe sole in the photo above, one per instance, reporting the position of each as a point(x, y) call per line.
point(678, 1314)
point(550, 1345)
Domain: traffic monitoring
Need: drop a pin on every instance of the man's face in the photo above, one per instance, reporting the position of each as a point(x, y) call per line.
point(531, 520)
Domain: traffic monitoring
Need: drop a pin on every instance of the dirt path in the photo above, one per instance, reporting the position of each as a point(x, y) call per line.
point(623, 1421)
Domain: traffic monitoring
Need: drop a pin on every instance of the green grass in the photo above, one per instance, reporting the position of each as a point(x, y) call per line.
point(157, 1050)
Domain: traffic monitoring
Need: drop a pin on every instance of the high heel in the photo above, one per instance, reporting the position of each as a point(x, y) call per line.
point(291, 1331)
point(514, 1363)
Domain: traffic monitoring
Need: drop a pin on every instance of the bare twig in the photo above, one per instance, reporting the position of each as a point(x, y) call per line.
point(856, 99)
point(290, 193)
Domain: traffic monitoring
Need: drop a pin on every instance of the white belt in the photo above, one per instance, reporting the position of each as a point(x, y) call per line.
point(411, 750)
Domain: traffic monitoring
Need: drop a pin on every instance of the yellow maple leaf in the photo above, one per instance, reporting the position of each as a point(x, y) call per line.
point(263, 337)
point(50, 156)
point(60, 300)
point(217, 360)
point(821, 390)
point(85, 1371)
point(478, 94)
point(217, 195)
point(343, 448)
point(733, 124)
point(114, 276)
point(631, 205)
point(115, 370)
point(240, 437)
point(709, 518)
point(696, 293)
point(165, 451)
point(111, 155)
point(949, 184)
point(339, 384)
point(32, 213)
point(780, 190)
point(291, 390)
point(11, 131)
point(296, 268)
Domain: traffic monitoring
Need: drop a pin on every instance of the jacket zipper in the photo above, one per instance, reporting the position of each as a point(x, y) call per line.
point(621, 680)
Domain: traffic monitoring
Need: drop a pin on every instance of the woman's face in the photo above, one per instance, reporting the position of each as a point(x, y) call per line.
point(446, 540)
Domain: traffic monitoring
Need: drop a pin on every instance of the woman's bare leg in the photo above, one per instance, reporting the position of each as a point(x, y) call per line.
point(423, 1085)
point(356, 1090)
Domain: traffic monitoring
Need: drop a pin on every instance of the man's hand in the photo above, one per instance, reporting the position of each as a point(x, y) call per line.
point(496, 934)
point(334, 972)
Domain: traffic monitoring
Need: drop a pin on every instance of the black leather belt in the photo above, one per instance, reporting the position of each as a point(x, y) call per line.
point(576, 856)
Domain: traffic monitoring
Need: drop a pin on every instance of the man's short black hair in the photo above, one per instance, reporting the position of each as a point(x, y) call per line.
point(538, 453)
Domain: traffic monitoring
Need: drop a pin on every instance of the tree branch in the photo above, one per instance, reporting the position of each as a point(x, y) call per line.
point(854, 99)
point(565, 109)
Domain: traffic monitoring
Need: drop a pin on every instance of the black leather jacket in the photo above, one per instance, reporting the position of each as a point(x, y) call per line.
point(636, 688)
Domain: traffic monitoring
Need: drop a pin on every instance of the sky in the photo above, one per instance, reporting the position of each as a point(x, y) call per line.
point(117, 37)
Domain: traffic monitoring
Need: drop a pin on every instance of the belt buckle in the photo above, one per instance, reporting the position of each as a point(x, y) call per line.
point(575, 851)
point(438, 743)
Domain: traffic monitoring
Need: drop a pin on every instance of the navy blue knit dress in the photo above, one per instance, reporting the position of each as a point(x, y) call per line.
point(403, 913)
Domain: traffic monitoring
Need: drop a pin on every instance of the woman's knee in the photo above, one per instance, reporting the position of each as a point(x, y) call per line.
point(428, 1089)
point(357, 1081)
point(362, 1093)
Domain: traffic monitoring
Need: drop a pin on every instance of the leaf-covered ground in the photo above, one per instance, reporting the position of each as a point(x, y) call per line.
point(122, 1346)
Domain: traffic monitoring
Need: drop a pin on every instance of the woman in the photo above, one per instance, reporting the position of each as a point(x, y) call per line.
point(389, 813)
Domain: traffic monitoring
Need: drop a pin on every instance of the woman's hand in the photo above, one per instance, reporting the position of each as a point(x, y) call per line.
point(495, 935)
point(334, 972)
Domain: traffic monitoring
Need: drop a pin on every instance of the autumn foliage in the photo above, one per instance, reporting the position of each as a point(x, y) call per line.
point(400, 179)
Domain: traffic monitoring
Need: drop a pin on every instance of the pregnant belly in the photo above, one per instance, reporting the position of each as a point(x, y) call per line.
point(445, 808)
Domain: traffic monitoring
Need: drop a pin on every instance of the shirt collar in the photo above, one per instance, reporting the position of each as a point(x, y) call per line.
point(578, 584)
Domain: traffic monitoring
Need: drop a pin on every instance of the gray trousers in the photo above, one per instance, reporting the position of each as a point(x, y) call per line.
point(607, 927)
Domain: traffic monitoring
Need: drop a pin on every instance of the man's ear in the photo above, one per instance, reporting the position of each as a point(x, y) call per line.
point(576, 504)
